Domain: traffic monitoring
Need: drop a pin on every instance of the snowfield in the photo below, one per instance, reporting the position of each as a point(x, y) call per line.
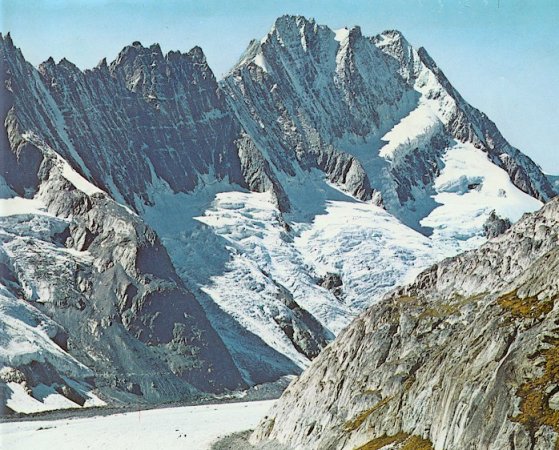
point(234, 246)
point(468, 188)
point(190, 427)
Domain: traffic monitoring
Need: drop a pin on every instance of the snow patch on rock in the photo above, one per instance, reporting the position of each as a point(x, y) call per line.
point(466, 202)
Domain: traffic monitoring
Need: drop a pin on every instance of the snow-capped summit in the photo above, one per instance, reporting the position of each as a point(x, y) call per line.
point(388, 110)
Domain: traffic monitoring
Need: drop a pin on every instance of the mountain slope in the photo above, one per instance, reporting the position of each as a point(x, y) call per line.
point(94, 268)
point(378, 116)
point(91, 120)
point(464, 357)
point(554, 180)
point(106, 281)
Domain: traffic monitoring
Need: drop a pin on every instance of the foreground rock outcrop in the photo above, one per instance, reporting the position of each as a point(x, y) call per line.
point(464, 357)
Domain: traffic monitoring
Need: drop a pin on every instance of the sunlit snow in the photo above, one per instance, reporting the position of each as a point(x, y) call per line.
point(468, 189)
point(190, 427)
point(369, 248)
point(18, 205)
point(417, 126)
point(77, 180)
point(260, 61)
point(341, 34)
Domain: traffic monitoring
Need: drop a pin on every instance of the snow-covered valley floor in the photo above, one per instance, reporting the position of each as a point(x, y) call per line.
point(189, 427)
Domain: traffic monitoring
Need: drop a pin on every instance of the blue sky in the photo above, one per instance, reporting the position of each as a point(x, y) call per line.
point(502, 55)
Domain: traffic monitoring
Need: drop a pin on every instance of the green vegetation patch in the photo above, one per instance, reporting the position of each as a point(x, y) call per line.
point(356, 422)
point(410, 300)
point(452, 307)
point(383, 441)
point(407, 442)
point(534, 394)
point(417, 443)
point(525, 308)
point(362, 416)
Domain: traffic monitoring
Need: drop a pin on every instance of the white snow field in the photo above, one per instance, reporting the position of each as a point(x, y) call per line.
point(235, 246)
point(468, 188)
point(189, 427)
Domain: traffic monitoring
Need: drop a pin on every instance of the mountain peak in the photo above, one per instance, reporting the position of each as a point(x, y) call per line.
point(7, 38)
point(392, 34)
point(49, 61)
point(290, 27)
point(150, 56)
point(136, 49)
point(7, 44)
point(288, 20)
point(102, 64)
point(68, 65)
point(50, 65)
point(392, 41)
point(197, 55)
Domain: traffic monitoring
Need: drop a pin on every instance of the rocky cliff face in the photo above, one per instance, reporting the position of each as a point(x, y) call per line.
point(375, 114)
point(106, 281)
point(554, 180)
point(90, 265)
point(146, 116)
point(464, 357)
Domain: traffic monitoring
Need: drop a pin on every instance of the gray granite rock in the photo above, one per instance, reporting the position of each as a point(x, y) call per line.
point(464, 357)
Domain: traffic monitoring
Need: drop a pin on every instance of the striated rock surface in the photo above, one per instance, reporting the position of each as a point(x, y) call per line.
point(146, 116)
point(554, 180)
point(463, 357)
point(84, 266)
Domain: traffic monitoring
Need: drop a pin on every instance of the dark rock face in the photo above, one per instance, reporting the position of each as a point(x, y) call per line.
point(464, 357)
point(332, 282)
point(554, 180)
point(126, 314)
point(306, 333)
point(145, 116)
point(258, 173)
point(495, 225)
point(123, 311)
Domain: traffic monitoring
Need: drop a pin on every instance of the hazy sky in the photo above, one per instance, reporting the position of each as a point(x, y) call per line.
point(502, 55)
